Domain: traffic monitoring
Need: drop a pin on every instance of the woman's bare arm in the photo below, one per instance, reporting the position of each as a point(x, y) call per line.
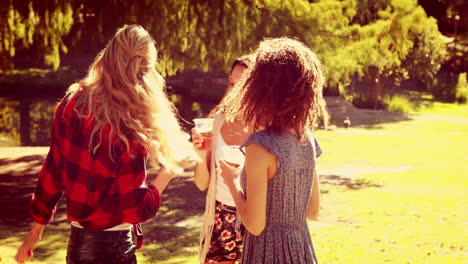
point(252, 210)
point(202, 172)
point(314, 200)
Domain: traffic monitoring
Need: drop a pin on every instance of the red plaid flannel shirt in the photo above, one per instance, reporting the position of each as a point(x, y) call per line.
point(100, 192)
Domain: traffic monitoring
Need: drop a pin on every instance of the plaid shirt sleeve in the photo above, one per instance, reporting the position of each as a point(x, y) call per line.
point(138, 201)
point(49, 188)
point(101, 192)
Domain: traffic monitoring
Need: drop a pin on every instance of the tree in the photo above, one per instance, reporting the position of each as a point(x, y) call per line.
point(402, 43)
point(43, 23)
point(380, 39)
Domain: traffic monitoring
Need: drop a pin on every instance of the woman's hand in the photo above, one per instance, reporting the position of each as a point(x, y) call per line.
point(229, 173)
point(25, 252)
point(198, 142)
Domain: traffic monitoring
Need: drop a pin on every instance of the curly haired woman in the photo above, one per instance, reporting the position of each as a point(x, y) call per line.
point(281, 97)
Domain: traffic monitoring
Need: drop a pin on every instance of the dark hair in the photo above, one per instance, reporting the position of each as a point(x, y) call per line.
point(282, 90)
point(244, 61)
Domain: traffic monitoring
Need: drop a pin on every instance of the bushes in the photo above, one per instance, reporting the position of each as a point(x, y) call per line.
point(9, 122)
point(394, 103)
point(450, 86)
point(366, 102)
point(398, 103)
point(443, 86)
point(40, 120)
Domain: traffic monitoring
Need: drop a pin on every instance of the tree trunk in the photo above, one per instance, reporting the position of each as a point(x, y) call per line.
point(377, 90)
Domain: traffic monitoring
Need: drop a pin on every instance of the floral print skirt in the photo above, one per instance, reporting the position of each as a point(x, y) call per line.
point(226, 242)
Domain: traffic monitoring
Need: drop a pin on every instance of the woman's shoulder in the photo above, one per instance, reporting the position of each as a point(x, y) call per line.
point(269, 135)
point(263, 138)
point(261, 135)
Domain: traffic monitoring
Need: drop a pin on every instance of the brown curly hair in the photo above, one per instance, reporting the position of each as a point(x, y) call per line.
point(281, 91)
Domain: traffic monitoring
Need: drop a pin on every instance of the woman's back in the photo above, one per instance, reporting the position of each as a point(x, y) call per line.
point(286, 237)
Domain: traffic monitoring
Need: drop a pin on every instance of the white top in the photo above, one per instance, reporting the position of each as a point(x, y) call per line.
point(223, 194)
point(121, 227)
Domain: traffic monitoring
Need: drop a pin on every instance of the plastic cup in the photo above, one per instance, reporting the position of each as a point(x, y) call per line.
point(233, 156)
point(204, 126)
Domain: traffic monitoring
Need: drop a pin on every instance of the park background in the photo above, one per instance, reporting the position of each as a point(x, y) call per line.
point(393, 185)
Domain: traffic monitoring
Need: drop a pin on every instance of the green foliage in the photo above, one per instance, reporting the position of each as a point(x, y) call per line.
point(398, 42)
point(428, 50)
point(393, 103)
point(377, 39)
point(9, 122)
point(42, 118)
point(44, 23)
point(365, 101)
point(370, 11)
point(461, 90)
point(41, 113)
point(398, 103)
point(443, 85)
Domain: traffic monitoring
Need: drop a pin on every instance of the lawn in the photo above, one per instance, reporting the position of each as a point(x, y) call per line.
point(402, 193)
point(391, 193)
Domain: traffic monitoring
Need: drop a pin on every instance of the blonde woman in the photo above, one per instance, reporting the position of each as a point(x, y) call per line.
point(105, 130)
point(220, 240)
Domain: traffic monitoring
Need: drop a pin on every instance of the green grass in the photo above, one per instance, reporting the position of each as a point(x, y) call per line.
point(393, 194)
point(419, 213)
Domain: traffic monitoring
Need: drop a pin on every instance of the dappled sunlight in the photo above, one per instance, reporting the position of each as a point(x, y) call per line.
point(172, 236)
point(19, 176)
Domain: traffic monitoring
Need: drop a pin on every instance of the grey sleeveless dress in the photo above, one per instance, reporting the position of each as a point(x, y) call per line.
point(286, 238)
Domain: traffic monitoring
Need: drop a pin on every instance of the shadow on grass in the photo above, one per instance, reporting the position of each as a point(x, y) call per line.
point(353, 184)
point(18, 180)
point(171, 235)
point(181, 200)
point(175, 229)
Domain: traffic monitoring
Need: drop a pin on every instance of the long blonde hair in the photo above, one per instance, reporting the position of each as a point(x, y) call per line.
point(124, 90)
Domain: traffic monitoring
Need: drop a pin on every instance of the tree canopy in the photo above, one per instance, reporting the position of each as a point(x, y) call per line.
point(378, 39)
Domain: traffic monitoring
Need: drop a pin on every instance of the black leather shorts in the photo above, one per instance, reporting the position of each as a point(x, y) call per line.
point(102, 247)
